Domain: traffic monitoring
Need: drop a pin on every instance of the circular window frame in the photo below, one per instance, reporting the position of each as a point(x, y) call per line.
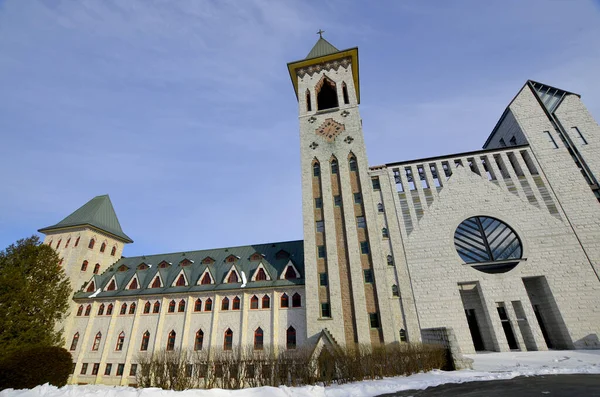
point(488, 264)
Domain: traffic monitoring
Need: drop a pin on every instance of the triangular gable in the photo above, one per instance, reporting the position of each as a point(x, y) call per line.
point(325, 341)
point(143, 266)
point(257, 256)
point(111, 285)
point(134, 283)
point(288, 270)
point(122, 268)
point(208, 261)
point(204, 273)
point(282, 254)
point(164, 265)
point(186, 262)
point(256, 272)
point(180, 275)
point(231, 271)
point(152, 281)
point(232, 259)
point(90, 286)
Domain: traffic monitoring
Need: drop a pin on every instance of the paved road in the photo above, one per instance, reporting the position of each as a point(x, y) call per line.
point(540, 386)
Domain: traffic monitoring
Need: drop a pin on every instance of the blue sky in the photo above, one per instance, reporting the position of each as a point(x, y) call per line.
point(183, 112)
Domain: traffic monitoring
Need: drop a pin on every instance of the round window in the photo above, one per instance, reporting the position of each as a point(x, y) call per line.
point(488, 245)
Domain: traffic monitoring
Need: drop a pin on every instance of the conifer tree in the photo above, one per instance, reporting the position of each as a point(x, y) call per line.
point(34, 296)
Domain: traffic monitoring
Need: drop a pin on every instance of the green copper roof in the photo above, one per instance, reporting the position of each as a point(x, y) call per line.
point(321, 48)
point(99, 213)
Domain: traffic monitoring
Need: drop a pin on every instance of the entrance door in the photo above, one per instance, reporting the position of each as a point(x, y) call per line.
point(540, 320)
point(474, 329)
point(508, 331)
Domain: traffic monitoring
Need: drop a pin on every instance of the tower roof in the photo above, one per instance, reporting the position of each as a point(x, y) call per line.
point(321, 48)
point(98, 213)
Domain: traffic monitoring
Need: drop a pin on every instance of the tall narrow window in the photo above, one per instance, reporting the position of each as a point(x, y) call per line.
point(285, 302)
point(390, 260)
point(171, 340)
point(321, 251)
point(172, 307)
point(156, 308)
point(254, 302)
point(74, 341)
point(76, 242)
point(101, 310)
point(228, 340)
point(58, 244)
point(113, 251)
point(208, 305)
point(327, 97)
point(88, 309)
point(308, 102)
point(334, 167)
point(296, 300)
point(120, 341)
point(236, 303)
point(84, 266)
point(123, 308)
point(67, 244)
point(103, 247)
point(290, 338)
point(97, 341)
point(266, 302)
point(109, 309)
point(132, 308)
point(385, 233)
point(147, 307)
point(380, 207)
point(199, 340)
point(316, 169)
point(97, 268)
point(364, 247)
point(198, 305)
point(574, 129)
point(181, 306)
point(352, 163)
point(325, 310)
point(395, 291)
point(225, 304)
point(91, 244)
point(258, 339)
point(345, 94)
point(145, 341)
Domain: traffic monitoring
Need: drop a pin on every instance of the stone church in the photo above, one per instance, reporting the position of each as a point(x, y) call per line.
point(491, 250)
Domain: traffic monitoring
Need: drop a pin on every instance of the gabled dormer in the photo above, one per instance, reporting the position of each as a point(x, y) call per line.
point(289, 272)
point(232, 259)
point(232, 276)
point(134, 283)
point(111, 285)
point(164, 265)
point(282, 254)
point(260, 274)
point(122, 268)
point(143, 266)
point(257, 256)
point(206, 277)
point(180, 280)
point(208, 261)
point(90, 286)
point(156, 282)
point(186, 262)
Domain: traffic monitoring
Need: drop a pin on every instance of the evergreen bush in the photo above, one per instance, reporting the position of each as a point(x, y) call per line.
point(28, 367)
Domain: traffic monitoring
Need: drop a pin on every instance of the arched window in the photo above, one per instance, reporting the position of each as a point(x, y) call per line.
point(233, 278)
point(84, 266)
point(76, 242)
point(58, 244)
point(198, 305)
point(258, 339)
point(50, 243)
point(147, 306)
point(67, 244)
point(395, 291)
point(316, 169)
point(199, 340)
point(156, 308)
point(326, 94)
point(156, 282)
point(352, 164)
point(88, 309)
point(254, 302)
point(205, 279)
point(236, 303)
point(120, 341)
point(228, 341)
point(113, 251)
point(97, 341)
point(296, 300)
point(385, 233)
point(180, 281)
point(290, 273)
point(172, 306)
point(285, 301)
point(123, 309)
point(290, 338)
point(109, 309)
point(111, 286)
point(102, 247)
point(74, 341)
point(260, 274)
point(171, 340)
point(134, 284)
point(345, 93)
point(208, 305)
point(91, 287)
point(132, 308)
point(225, 304)
point(145, 341)
point(334, 166)
point(101, 310)
point(181, 306)
point(97, 268)
point(266, 302)
point(390, 260)
point(91, 244)
point(308, 103)
point(80, 310)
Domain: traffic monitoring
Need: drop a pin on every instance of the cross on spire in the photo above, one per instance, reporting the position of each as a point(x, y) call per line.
point(320, 33)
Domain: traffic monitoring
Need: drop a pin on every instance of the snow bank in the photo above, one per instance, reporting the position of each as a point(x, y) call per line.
point(487, 366)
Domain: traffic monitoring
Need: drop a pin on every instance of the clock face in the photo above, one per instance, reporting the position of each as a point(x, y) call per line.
point(330, 129)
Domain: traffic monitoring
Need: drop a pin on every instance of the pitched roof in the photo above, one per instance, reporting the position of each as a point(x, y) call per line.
point(273, 263)
point(321, 48)
point(98, 213)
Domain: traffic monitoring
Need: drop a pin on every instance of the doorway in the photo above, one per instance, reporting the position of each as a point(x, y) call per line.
point(474, 329)
point(508, 331)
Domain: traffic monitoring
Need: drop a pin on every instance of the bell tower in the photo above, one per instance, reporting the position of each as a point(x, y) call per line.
point(336, 197)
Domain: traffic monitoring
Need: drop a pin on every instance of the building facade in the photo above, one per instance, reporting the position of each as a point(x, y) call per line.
point(496, 248)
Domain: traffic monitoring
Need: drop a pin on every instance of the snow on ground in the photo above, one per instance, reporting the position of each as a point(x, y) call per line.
point(487, 366)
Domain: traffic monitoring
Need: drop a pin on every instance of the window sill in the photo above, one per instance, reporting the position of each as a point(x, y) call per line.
point(325, 111)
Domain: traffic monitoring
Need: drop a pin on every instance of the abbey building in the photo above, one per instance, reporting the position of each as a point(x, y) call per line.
point(492, 250)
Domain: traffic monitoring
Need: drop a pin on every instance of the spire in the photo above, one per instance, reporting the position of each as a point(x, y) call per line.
point(98, 213)
point(321, 48)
